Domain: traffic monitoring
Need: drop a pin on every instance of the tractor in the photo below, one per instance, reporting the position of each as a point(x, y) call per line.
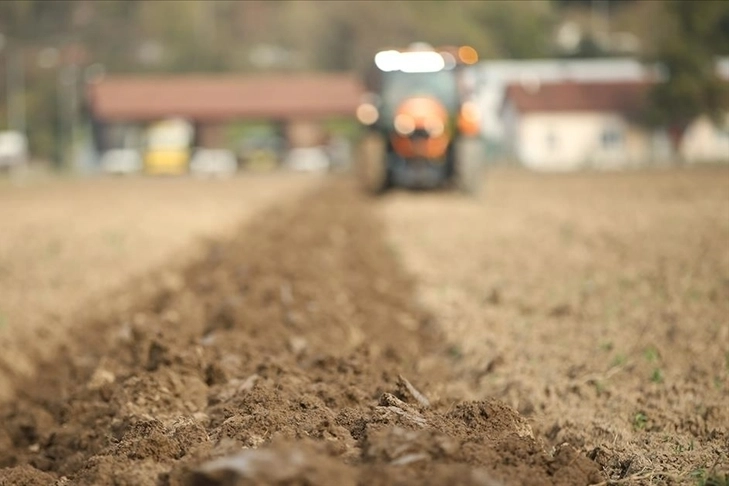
point(420, 127)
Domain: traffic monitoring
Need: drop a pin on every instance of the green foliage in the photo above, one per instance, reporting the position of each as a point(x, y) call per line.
point(619, 360)
point(651, 354)
point(657, 376)
point(693, 35)
point(702, 477)
point(640, 420)
point(455, 352)
point(214, 36)
point(518, 29)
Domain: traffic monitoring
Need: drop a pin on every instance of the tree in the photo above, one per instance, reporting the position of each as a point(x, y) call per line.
point(696, 32)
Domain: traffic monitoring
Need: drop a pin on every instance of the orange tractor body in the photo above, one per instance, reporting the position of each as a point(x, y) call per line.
point(421, 128)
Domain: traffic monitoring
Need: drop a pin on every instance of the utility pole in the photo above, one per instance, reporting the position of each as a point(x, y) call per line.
point(16, 90)
point(14, 84)
point(600, 16)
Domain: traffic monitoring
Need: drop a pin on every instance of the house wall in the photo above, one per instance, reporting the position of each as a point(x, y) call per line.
point(705, 142)
point(493, 76)
point(573, 140)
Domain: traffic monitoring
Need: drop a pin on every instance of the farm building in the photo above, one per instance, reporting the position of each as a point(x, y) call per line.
point(494, 76)
point(702, 141)
point(570, 125)
point(567, 125)
point(123, 108)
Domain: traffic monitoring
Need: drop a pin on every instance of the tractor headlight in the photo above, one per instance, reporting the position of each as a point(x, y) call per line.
point(367, 114)
point(404, 124)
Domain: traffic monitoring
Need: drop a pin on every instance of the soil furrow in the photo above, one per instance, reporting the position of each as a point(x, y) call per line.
point(298, 346)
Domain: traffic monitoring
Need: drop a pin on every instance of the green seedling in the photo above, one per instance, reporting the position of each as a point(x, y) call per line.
point(455, 352)
point(607, 346)
point(640, 421)
point(718, 383)
point(657, 376)
point(620, 359)
point(680, 448)
point(703, 478)
point(651, 354)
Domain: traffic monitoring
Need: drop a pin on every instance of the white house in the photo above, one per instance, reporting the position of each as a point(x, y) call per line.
point(569, 125)
point(704, 141)
point(493, 77)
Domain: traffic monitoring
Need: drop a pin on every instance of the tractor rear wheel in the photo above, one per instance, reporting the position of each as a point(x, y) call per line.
point(469, 164)
point(371, 163)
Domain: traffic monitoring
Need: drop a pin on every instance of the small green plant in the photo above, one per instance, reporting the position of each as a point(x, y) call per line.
point(679, 448)
point(640, 420)
point(716, 480)
point(619, 360)
point(455, 352)
point(698, 474)
point(718, 383)
point(607, 346)
point(657, 376)
point(651, 354)
point(704, 478)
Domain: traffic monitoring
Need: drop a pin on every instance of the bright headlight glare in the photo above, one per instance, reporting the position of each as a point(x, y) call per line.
point(404, 124)
point(367, 113)
point(388, 60)
point(410, 62)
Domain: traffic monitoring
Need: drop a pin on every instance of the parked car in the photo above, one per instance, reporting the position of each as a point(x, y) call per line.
point(213, 162)
point(261, 153)
point(13, 150)
point(309, 159)
point(121, 161)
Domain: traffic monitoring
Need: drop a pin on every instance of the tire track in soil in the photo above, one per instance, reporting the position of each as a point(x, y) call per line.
point(287, 343)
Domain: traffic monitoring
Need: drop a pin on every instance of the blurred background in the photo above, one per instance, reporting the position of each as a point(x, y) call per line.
point(87, 86)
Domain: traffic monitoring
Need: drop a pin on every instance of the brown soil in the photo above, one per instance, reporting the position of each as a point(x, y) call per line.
point(67, 243)
point(294, 353)
point(597, 305)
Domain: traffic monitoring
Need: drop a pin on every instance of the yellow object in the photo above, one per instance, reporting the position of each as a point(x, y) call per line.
point(173, 162)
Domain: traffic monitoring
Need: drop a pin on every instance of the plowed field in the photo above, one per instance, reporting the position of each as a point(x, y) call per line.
point(555, 330)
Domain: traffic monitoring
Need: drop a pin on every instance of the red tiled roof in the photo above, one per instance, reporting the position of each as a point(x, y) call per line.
point(224, 97)
point(628, 98)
